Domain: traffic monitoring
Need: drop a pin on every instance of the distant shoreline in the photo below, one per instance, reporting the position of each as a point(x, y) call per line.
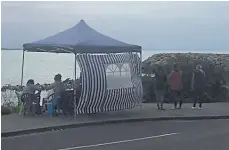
point(158, 51)
point(8, 49)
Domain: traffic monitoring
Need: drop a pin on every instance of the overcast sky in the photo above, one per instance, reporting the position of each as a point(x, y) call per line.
point(153, 25)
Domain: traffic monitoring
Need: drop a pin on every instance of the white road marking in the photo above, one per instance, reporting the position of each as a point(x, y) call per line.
point(118, 142)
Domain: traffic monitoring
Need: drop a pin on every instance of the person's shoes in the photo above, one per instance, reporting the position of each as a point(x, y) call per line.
point(162, 109)
point(199, 108)
point(173, 108)
point(193, 107)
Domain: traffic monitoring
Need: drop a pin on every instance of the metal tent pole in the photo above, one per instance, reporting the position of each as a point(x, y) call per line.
point(141, 70)
point(75, 88)
point(22, 66)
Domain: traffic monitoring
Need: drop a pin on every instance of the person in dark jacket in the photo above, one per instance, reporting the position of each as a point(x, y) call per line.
point(198, 85)
point(160, 87)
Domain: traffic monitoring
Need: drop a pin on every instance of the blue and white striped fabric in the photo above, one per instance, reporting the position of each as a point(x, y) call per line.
point(95, 96)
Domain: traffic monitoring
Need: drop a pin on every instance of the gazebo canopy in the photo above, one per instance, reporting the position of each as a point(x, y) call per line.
point(80, 39)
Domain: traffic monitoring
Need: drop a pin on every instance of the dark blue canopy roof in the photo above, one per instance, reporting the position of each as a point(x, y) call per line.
point(80, 39)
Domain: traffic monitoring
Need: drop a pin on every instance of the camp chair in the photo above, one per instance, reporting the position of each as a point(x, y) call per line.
point(49, 104)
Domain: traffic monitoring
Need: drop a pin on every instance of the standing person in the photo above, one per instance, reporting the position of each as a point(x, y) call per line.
point(198, 85)
point(59, 89)
point(160, 87)
point(176, 85)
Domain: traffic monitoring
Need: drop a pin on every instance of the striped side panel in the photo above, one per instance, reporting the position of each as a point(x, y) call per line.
point(95, 97)
point(98, 88)
point(124, 98)
point(110, 94)
point(83, 64)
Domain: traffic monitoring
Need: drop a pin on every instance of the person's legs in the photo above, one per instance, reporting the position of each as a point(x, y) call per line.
point(180, 99)
point(55, 105)
point(157, 98)
point(175, 97)
point(58, 105)
point(37, 105)
point(200, 103)
point(195, 101)
point(162, 100)
point(32, 106)
point(201, 97)
point(180, 105)
point(195, 98)
point(64, 106)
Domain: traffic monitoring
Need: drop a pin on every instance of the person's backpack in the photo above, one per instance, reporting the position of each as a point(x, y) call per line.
point(199, 78)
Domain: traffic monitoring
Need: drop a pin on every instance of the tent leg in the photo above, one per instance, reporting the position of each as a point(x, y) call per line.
point(141, 71)
point(22, 67)
point(75, 88)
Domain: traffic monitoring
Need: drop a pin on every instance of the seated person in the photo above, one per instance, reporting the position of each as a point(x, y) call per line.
point(30, 88)
point(58, 88)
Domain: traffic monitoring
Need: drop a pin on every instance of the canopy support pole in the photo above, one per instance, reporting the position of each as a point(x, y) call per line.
point(75, 88)
point(22, 66)
point(141, 70)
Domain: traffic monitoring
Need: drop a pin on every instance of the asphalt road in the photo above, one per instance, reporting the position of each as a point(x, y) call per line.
point(161, 135)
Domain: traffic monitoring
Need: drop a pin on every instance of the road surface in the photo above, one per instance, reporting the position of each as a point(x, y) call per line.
point(160, 135)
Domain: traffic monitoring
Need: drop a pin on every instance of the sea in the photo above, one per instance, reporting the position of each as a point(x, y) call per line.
point(43, 66)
